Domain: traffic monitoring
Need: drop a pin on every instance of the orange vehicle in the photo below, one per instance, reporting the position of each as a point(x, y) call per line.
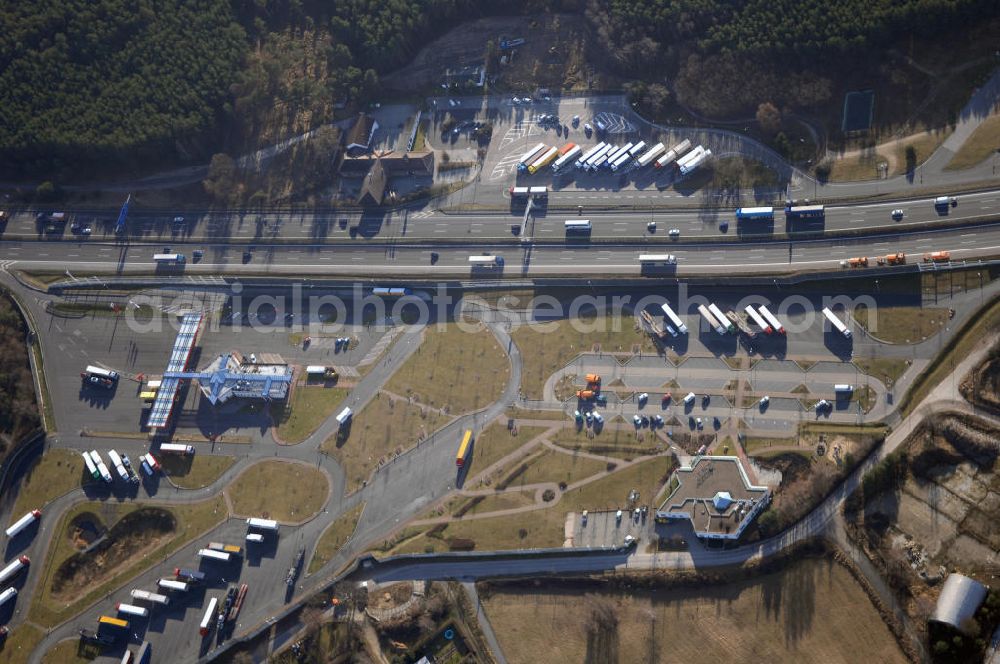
point(937, 257)
point(898, 258)
point(585, 394)
point(592, 378)
point(858, 261)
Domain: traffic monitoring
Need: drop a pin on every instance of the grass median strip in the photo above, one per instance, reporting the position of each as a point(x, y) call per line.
point(334, 537)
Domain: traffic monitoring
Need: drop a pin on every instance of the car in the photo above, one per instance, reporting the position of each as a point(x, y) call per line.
point(434, 257)
point(674, 232)
point(822, 404)
point(86, 230)
point(451, 102)
point(577, 416)
point(515, 100)
point(657, 420)
point(644, 397)
point(590, 417)
point(764, 400)
point(667, 398)
point(629, 541)
point(635, 514)
point(197, 253)
point(584, 517)
point(897, 215)
point(724, 226)
point(651, 227)
point(98, 381)
point(588, 130)
point(699, 423)
point(178, 220)
point(527, 100)
point(954, 202)
point(618, 516)
point(576, 120)
point(598, 418)
point(601, 400)
point(253, 358)
point(247, 256)
point(705, 400)
point(636, 420)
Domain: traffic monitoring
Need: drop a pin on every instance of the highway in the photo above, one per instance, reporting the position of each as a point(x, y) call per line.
point(520, 259)
point(412, 224)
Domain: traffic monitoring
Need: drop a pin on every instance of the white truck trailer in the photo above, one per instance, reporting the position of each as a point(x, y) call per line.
point(101, 468)
point(769, 317)
point(14, 568)
point(175, 448)
point(721, 317)
point(836, 323)
point(710, 319)
point(263, 524)
point(530, 156)
point(116, 461)
point(590, 153)
point(147, 596)
point(674, 319)
point(652, 153)
point(697, 161)
point(23, 522)
point(757, 318)
point(591, 163)
point(567, 159)
point(132, 610)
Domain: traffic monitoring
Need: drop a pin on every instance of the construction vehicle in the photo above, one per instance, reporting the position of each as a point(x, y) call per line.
point(585, 395)
point(937, 257)
point(857, 261)
point(899, 258)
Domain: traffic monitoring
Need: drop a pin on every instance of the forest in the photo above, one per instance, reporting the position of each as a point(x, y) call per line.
point(119, 83)
point(18, 411)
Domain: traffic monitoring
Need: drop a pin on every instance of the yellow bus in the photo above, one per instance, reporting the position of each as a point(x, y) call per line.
point(464, 449)
point(113, 622)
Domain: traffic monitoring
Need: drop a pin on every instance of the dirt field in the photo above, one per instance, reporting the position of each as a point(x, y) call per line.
point(439, 374)
point(812, 611)
point(279, 490)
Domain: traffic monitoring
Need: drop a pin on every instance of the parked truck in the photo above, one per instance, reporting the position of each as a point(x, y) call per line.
point(758, 319)
point(772, 321)
point(263, 524)
point(701, 155)
point(293, 571)
point(206, 621)
point(23, 522)
point(567, 159)
point(547, 158)
point(710, 319)
point(652, 153)
point(674, 319)
point(147, 596)
point(238, 604)
point(528, 157)
point(740, 321)
point(101, 468)
point(132, 610)
point(14, 568)
point(836, 322)
point(590, 153)
point(721, 317)
point(116, 461)
point(175, 448)
point(185, 574)
point(857, 261)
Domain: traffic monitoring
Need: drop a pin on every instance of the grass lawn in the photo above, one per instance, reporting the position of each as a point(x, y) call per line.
point(503, 501)
point(68, 652)
point(495, 442)
point(192, 520)
point(544, 527)
point(983, 325)
point(309, 407)
point(383, 427)
point(454, 370)
point(857, 167)
point(523, 414)
point(21, 642)
point(980, 145)
point(544, 352)
point(196, 470)
point(56, 472)
point(334, 537)
point(924, 145)
point(620, 443)
point(880, 367)
point(279, 490)
point(903, 325)
point(813, 610)
point(550, 466)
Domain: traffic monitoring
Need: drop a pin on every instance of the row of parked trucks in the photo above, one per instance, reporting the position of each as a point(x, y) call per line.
point(123, 465)
point(614, 158)
point(729, 322)
point(178, 585)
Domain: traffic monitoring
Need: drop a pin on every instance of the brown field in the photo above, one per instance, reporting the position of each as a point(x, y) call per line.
point(621, 443)
point(546, 349)
point(194, 471)
point(454, 370)
point(384, 427)
point(550, 466)
point(56, 472)
point(279, 490)
point(308, 408)
point(903, 325)
point(494, 443)
point(979, 146)
point(811, 611)
point(334, 537)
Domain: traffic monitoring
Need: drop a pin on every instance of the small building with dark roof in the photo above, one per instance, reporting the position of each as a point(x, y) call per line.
point(377, 169)
point(373, 188)
point(958, 602)
point(715, 494)
point(359, 136)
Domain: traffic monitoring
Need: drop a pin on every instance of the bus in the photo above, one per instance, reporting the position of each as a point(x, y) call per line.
point(91, 467)
point(168, 258)
point(766, 213)
point(657, 259)
point(463, 450)
point(804, 212)
point(578, 226)
point(486, 260)
point(112, 622)
point(132, 610)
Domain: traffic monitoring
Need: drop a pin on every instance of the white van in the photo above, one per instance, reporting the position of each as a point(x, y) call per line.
point(689, 399)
